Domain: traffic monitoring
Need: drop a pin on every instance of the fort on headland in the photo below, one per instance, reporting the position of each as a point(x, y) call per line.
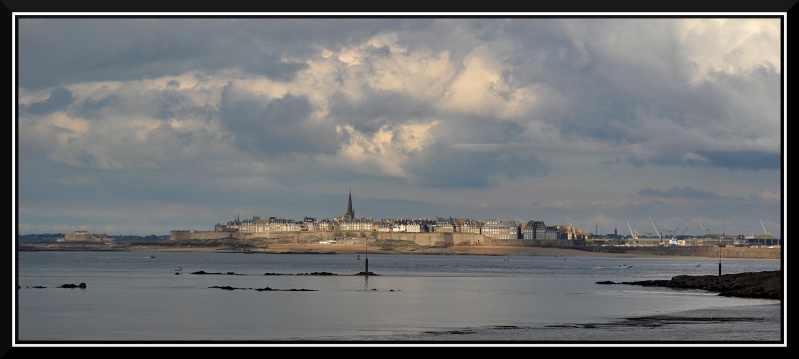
point(85, 237)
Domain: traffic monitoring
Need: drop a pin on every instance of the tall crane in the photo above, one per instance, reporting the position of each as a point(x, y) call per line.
point(703, 227)
point(632, 233)
point(672, 232)
point(764, 228)
point(704, 231)
point(656, 230)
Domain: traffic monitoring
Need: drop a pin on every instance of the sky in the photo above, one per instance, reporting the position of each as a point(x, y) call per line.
point(145, 125)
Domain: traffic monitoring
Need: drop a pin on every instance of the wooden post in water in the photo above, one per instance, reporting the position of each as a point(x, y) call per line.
point(366, 261)
point(720, 256)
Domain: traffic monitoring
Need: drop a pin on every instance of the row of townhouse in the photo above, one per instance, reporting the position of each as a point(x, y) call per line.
point(497, 229)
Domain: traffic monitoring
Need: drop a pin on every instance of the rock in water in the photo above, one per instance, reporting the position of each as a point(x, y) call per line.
point(764, 285)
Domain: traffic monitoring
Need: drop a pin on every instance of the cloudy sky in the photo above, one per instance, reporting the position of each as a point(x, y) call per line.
point(146, 125)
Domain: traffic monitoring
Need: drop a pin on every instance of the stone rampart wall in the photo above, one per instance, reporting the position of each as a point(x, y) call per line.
point(470, 239)
point(187, 235)
point(422, 239)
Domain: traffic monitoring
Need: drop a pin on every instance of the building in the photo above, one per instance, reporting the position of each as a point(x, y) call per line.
point(500, 229)
point(444, 225)
point(535, 230)
point(468, 225)
point(356, 224)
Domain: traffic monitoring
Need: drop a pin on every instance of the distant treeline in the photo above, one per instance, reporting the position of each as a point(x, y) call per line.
point(52, 237)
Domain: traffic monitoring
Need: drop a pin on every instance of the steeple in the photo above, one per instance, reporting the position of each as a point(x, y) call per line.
point(350, 212)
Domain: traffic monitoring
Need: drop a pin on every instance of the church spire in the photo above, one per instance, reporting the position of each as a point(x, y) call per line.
point(350, 212)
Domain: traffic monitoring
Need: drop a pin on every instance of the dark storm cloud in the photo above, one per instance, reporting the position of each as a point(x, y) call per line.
point(275, 126)
point(380, 108)
point(617, 82)
point(172, 103)
point(85, 158)
point(55, 51)
point(60, 51)
point(636, 161)
point(60, 98)
point(678, 192)
point(744, 160)
point(733, 160)
point(445, 166)
point(299, 35)
point(157, 104)
point(276, 70)
point(91, 108)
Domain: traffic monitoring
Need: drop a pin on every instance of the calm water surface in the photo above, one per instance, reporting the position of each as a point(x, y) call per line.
point(141, 297)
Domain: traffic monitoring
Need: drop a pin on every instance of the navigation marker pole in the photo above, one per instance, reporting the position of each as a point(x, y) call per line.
point(366, 261)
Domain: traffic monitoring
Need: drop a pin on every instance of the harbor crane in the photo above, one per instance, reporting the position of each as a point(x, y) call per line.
point(764, 228)
point(672, 232)
point(704, 231)
point(656, 229)
point(632, 233)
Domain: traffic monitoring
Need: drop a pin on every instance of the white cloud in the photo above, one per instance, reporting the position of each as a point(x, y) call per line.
point(728, 46)
point(770, 196)
point(562, 204)
point(479, 89)
point(386, 151)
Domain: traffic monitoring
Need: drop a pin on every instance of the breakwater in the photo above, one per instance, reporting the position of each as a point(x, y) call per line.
point(721, 252)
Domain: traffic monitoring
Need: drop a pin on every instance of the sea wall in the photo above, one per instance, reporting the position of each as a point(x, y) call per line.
point(181, 235)
point(722, 252)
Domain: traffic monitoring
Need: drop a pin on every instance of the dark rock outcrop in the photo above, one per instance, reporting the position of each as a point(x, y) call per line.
point(765, 285)
point(227, 287)
point(217, 273)
point(82, 285)
point(317, 273)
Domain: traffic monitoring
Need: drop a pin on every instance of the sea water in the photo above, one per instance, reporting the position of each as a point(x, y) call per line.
point(158, 297)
